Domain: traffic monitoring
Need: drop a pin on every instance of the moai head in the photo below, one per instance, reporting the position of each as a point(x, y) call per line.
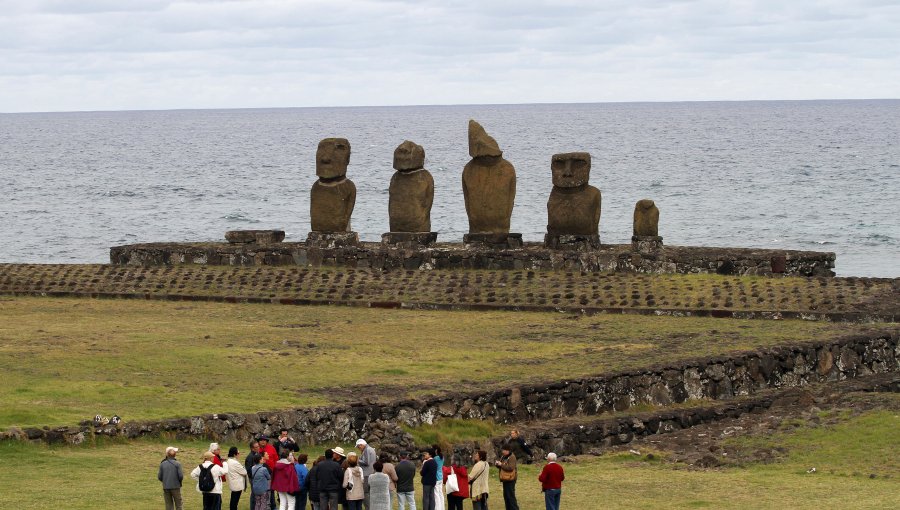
point(332, 158)
point(645, 204)
point(481, 143)
point(571, 169)
point(409, 156)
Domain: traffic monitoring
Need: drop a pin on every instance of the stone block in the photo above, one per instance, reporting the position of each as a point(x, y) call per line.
point(572, 242)
point(502, 240)
point(254, 236)
point(410, 240)
point(328, 240)
point(647, 245)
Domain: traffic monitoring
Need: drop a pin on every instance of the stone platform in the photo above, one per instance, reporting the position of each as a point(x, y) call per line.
point(614, 258)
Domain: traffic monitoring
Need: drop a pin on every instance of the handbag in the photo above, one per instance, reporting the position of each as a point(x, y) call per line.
point(508, 476)
point(452, 483)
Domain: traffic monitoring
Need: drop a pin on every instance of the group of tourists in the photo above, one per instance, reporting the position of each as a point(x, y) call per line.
point(275, 475)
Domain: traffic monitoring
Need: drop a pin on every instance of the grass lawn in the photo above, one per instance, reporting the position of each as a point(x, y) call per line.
point(65, 359)
point(123, 475)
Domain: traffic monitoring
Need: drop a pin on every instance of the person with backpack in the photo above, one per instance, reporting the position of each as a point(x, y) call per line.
point(171, 475)
point(209, 481)
point(260, 483)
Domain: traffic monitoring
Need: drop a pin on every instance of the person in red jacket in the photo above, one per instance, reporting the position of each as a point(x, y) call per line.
point(285, 482)
point(455, 499)
point(265, 447)
point(551, 479)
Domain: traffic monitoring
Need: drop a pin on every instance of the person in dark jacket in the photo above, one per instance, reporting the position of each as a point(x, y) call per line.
point(312, 483)
point(330, 479)
point(171, 476)
point(406, 473)
point(508, 475)
point(285, 441)
point(520, 448)
point(429, 479)
point(252, 460)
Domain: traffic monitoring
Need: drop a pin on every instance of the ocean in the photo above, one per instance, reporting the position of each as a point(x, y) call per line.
point(805, 175)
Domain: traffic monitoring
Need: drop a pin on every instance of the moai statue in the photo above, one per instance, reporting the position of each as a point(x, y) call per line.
point(411, 196)
point(573, 210)
point(489, 189)
point(646, 239)
point(646, 218)
point(333, 196)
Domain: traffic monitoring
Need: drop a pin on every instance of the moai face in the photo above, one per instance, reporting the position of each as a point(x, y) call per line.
point(409, 156)
point(571, 170)
point(332, 158)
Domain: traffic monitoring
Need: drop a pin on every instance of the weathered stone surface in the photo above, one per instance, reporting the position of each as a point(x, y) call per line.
point(331, 205)
point(332, 240)
point(647, 245)
point(409, 156)
point(411, 191)
point(481, 143)
point(492, 240)
point(572, 242)
point(489, 184)
point(646, 218)
point(332, 158)
point(254, 236)
point(574, 206)
point(570, 169)
point(410, 239)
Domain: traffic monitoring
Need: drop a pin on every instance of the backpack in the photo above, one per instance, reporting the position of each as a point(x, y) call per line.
point(207, 482)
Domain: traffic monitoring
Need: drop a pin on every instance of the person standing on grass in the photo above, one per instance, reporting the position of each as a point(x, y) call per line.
point(284, 481)
point(302, 474)
point(354, 479)
point(406, 488)
point(261, 483)
point(455, 499)
point(312, 483)
point(217, 455)
point(367, 459)
point(379, 488)
point(237, 477)
point(251, 460)
point(330, 477)
point(439, 483)
point(508, 476)
point(478, 479)
point(212, 499)
point(272, 458)
point(429, 479)
point(387, 467)
point(171, 476)
point(551, 479)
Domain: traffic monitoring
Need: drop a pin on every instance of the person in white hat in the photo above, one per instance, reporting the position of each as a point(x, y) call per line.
point(171, 476)
point(367, 459)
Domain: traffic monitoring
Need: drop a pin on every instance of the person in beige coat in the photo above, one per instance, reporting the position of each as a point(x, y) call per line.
point(354, 482)
point(237, 477)
point(478, 478)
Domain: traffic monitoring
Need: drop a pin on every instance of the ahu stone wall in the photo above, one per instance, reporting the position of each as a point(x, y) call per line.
point(618, 258)
point(715, 378)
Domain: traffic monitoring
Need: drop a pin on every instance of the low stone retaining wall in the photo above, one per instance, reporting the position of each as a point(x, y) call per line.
point(717, 378)
point(621, 258)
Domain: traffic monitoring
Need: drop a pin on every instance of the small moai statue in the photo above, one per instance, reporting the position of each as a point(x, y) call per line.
point(573, 210)
point(333, 195)
point(489, 189)
point(411, 196)
point(646, 238)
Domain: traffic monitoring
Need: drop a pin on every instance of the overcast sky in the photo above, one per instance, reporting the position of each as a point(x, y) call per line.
point(58, 55)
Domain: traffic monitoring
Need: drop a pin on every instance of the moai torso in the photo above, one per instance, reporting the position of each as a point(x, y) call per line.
point(646, 218)
point(333, 196)
point(331, 205)
point(574, 205)
point(489, 184)
point(411, 191)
